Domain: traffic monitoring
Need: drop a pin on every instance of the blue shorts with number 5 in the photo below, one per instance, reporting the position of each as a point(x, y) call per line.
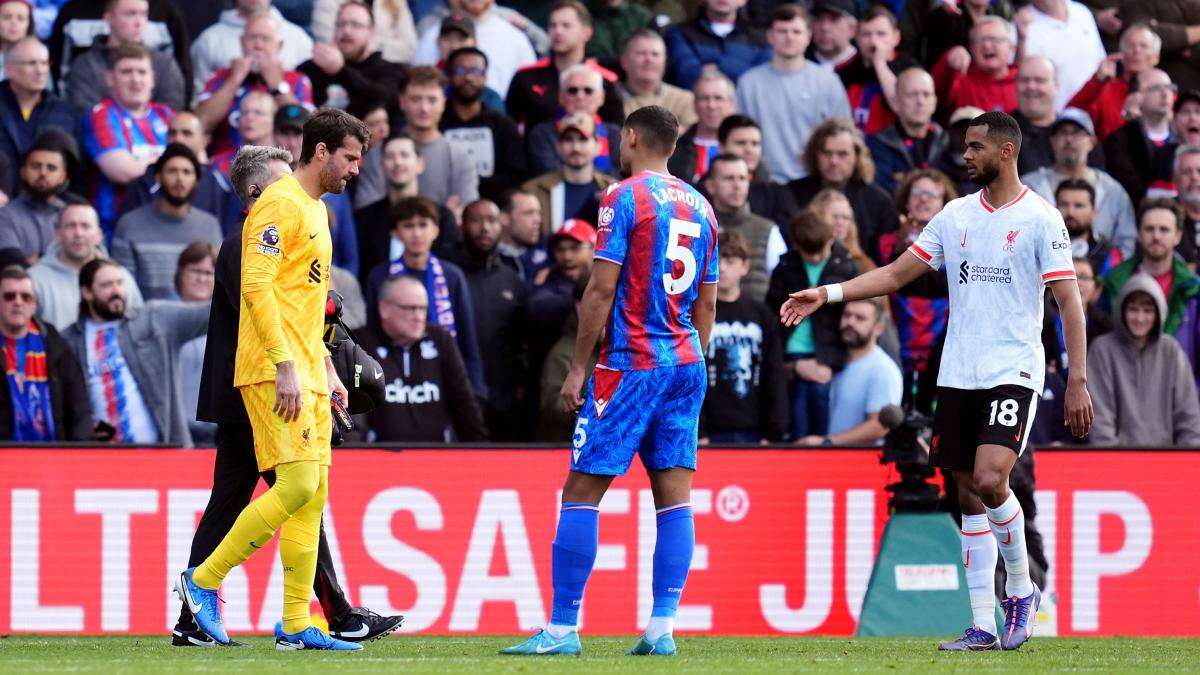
point(652, 413)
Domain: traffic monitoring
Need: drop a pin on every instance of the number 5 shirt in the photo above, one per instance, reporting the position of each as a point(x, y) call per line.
point(998, 262)
point(663, 234)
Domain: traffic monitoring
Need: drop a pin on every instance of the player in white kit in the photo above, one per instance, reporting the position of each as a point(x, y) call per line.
point(1001, 246)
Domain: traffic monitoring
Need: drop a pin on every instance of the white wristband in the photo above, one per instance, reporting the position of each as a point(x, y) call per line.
point(833, 292)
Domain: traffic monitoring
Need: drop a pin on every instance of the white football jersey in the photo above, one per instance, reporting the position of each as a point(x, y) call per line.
point(998, 261)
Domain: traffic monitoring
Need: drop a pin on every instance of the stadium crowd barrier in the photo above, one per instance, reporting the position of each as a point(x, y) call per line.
point(458, 540)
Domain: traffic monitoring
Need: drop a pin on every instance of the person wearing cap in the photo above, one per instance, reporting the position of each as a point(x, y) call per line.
point(220, 45)
point(491, 138)
point(260, 68)
point(533, 95)
point(27, 106)
point(915, 141)
point(571, 190)
point(1072, 137)
point(870, 79)
point(214, 193)
point(126, 132)
point(148, 240)
point(550, 301)
point(414, 226)
point(27, 222)
point(789, 95)
point(1140, 152)
point(982, 75)
point(834, 23)
point(126, 21)
point(580, 91)
point(644, 63)
point(718, 35)
point(347, 71)
point(496, 34)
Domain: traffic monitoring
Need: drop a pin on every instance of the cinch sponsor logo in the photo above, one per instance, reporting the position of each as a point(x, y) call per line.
point(398, 392)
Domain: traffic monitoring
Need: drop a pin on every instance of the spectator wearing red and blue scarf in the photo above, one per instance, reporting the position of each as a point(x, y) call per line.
point(44, 397)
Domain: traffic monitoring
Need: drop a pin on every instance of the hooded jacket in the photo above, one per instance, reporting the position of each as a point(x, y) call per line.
point(1142, 396)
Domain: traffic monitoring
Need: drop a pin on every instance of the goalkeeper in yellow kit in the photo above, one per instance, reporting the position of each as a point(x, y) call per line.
point(286, 378)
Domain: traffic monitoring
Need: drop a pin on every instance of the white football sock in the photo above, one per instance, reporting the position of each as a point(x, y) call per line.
point(1008, 525)
point(979, 561)
point(659, 626)
point(559, 631)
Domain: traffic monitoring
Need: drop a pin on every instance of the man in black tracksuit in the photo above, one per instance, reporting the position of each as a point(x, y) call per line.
point(235, 472)
point(427, 392)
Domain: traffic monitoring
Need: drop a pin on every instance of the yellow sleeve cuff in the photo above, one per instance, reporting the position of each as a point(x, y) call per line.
point(279, 354)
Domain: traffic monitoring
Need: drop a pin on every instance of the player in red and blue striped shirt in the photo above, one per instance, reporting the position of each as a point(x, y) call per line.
point(653, 293)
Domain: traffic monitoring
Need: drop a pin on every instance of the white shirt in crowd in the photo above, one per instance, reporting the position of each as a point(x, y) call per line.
point(1073, 46)
point(506, 47)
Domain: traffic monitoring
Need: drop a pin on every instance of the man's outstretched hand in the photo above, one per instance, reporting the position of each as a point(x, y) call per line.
point(801, 305)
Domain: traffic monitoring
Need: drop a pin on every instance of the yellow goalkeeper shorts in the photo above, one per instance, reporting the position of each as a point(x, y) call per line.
point(278, 442)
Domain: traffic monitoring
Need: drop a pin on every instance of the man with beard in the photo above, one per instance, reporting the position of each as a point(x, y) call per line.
point(1076, 201)
point(78, 241)
point(499, 296)
point(1072, 137)
point(1001, 246)
point(869, 381)
point(522, 245)
point(1187, 184)
point(131, 360)
point(27, 222)
point(149, 239)
point(347, 73)
point(488, 136)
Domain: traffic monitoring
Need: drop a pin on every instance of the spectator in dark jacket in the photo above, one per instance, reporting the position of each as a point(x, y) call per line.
point(741, 136)
point(428, 397)
point(555, 425)
point(499, 296)
point(550, 303)
point(837, 157)
point(915, 141)
point(747, 385)
point(414, 226)
point(1139, 153)
point(43, 397)
point(27, 89)
point(348, 72)
point(870, 79)
point(717, 35)
point(715, 101)
point(813, 349)
point(1174, 22)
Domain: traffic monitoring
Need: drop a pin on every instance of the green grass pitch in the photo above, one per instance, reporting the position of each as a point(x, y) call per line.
point(403, 654)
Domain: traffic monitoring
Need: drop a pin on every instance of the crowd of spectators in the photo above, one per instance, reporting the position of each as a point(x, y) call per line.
point(825, 133)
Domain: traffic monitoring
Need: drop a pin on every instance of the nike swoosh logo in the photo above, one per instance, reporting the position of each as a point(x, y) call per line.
point(255, 545)
point(964, 241)
point(361, 632)
point(967, 562)
point(312, 236)
point(378, 374)
point(552, 647)
point(1009, 540)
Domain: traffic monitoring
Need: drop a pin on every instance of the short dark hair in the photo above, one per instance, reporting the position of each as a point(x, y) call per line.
point(733, 245)
point(656, 126)
point(1076, 184)
point(127, 50)
point(811, 231)
point(580, 9)
point(723, 158)
point(331, 126)
point(790, 12)
point(466, 51)
point(403, 136)
point(192, 254)
point(87, 276)
point(734, 122)
point(53, 139)
point(412, 207)
point(1151, 203)
point(879, 11)
point(509, 201)
point(1000, 127)
point(424, 75)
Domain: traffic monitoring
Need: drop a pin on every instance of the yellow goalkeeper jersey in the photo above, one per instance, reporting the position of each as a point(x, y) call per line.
point(286, 253)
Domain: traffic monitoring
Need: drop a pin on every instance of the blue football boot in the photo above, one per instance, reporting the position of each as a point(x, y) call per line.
point(310, 638)
point(544, 644)
point(663, 646)
point(973, 640)
point(204, 604)
point(1019, 617)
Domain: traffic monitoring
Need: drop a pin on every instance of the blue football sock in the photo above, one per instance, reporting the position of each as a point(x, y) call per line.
point(672, 557)
point(575, 546)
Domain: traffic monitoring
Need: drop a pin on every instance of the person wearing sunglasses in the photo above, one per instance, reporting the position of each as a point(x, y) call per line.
point(43, 397)
point(581, 91)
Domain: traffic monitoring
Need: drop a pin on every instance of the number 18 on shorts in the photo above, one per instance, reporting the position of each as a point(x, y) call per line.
point(968, 418)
